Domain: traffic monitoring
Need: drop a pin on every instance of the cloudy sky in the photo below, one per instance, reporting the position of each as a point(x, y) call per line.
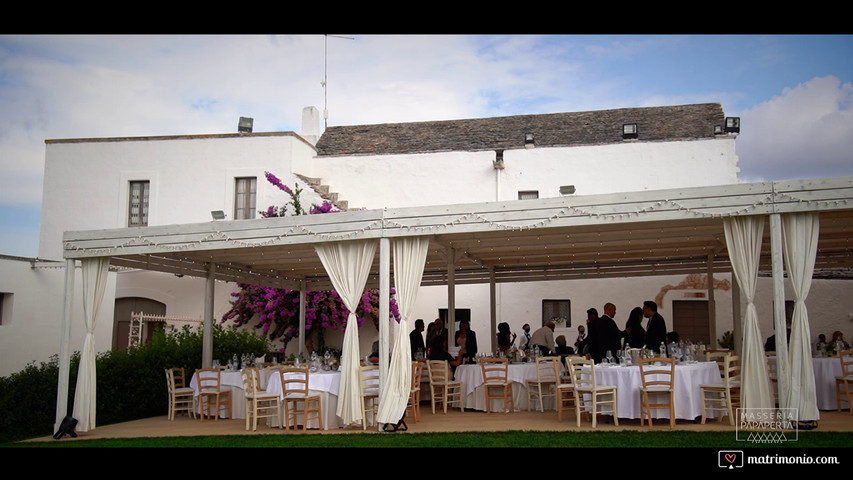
point(793, 93)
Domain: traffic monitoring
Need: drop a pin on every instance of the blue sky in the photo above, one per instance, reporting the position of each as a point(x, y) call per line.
point(793, 93)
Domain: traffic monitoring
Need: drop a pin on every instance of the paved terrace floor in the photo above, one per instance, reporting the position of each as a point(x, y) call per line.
point(453, 421)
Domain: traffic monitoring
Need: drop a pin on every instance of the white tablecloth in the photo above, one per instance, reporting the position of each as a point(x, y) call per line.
point(324, 384)
point(233, 382)
point(471, 377)
point(688, 395)
point(825, 371)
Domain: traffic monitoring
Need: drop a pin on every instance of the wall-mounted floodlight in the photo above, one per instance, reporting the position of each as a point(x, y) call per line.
point(245, 124)
point(217, 214)
point(567, 190)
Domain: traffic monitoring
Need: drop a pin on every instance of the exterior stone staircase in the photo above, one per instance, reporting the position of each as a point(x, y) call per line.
point(325, 192)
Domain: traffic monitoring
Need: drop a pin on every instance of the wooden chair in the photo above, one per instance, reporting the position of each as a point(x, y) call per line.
point(181, 397)
point(369, 384)
point(442, 388)
point(545, 383)
point(565, 392)
point(415, 393)
point(297, 400)
point(582, 371)
point(497, 383)
point(845, 380)
point(210, 392)
point(658, 375)
point(259, 403)
point(725, 396)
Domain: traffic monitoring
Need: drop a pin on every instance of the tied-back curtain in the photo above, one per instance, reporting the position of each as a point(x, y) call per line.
point(409, 259)
point(800, 233)
point(94, 283)
point(743, 240)
point(348, 266)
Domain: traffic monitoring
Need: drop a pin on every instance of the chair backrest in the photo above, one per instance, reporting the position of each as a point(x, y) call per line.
point(294, 380)
point(251, 381)
point(657, 372)
point(548, 369)
point(582, 377)
point(170, 380)
point(731, 369)
point(846, 358)
point(178, 377)
point(208, 379)
point(369, 379)
point(495, 370)
point(771, 366)
point(439, 371)
point(417, 372)
point(718, 356)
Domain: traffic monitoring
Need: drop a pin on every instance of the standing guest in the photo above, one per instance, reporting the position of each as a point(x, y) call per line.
point(439, 329)
point(524, 343)
point(467, 339)
point(416, 339)
point(635, 334)
point(656, 329)
point(607, 336)
point(581, 337)
point(586, 345)
point(505, 337)
point(543, 338)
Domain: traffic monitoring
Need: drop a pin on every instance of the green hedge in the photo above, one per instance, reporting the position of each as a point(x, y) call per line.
point(131, 384)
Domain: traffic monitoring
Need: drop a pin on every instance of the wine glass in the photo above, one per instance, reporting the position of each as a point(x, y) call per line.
point(609, 356)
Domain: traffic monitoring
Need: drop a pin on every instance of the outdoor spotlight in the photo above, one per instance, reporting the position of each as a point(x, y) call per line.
point(217, 214)
point(567, 190)
point(629, 130)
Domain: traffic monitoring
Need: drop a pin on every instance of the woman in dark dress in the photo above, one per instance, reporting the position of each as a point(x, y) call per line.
point(635, 334)
point(465, 337)
point(505, 337)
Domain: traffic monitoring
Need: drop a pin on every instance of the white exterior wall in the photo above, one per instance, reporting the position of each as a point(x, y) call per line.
point(86, 183)
point(463, 177)
point(32, 312)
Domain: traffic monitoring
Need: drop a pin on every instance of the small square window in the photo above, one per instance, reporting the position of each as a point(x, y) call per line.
point(528, 194)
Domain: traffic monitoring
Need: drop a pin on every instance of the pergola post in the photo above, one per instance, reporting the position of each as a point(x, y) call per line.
point(209, 294)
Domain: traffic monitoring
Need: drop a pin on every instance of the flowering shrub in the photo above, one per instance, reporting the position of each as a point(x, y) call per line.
point(277, 309)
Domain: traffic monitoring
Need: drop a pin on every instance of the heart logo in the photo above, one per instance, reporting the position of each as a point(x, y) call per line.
point(731, 457)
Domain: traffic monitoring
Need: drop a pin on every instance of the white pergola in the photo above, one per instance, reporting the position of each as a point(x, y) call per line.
point(661, 232)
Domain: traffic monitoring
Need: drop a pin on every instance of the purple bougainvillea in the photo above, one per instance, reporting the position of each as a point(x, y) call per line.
point(277, 310)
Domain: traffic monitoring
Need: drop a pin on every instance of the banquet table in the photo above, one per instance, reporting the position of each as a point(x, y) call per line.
point(233, 382)
point(326, 384)
point(474, 392)
point(688, 395)
point(825, 371)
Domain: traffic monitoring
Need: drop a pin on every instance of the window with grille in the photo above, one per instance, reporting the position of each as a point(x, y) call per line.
point(528, 194)
point(244, 198)
point(138, 203)
point(556, 310)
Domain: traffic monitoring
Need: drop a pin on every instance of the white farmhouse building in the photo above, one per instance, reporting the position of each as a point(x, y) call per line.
point(111, 183)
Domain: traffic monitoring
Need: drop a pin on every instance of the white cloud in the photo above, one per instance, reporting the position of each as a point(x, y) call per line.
point(806, 132)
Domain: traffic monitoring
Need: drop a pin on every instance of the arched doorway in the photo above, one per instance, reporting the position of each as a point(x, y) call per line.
point(121, 319)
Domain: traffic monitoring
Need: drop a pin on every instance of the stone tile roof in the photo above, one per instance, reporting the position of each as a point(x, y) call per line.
point(670, 123)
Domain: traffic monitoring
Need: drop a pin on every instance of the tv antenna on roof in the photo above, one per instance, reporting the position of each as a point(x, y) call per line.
point(325, 81)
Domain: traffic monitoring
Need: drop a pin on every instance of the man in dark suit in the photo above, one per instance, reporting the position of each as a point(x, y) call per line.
point(656, 329)
point(416, 339)
point(608, 334)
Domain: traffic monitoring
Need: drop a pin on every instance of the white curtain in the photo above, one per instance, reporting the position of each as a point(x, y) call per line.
point(800, 231)
point(409, 259)
point(348, 266)
point(743, 240)
point(94, 283)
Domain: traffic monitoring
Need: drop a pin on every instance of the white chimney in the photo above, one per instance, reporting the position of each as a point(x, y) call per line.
point(311, 124)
